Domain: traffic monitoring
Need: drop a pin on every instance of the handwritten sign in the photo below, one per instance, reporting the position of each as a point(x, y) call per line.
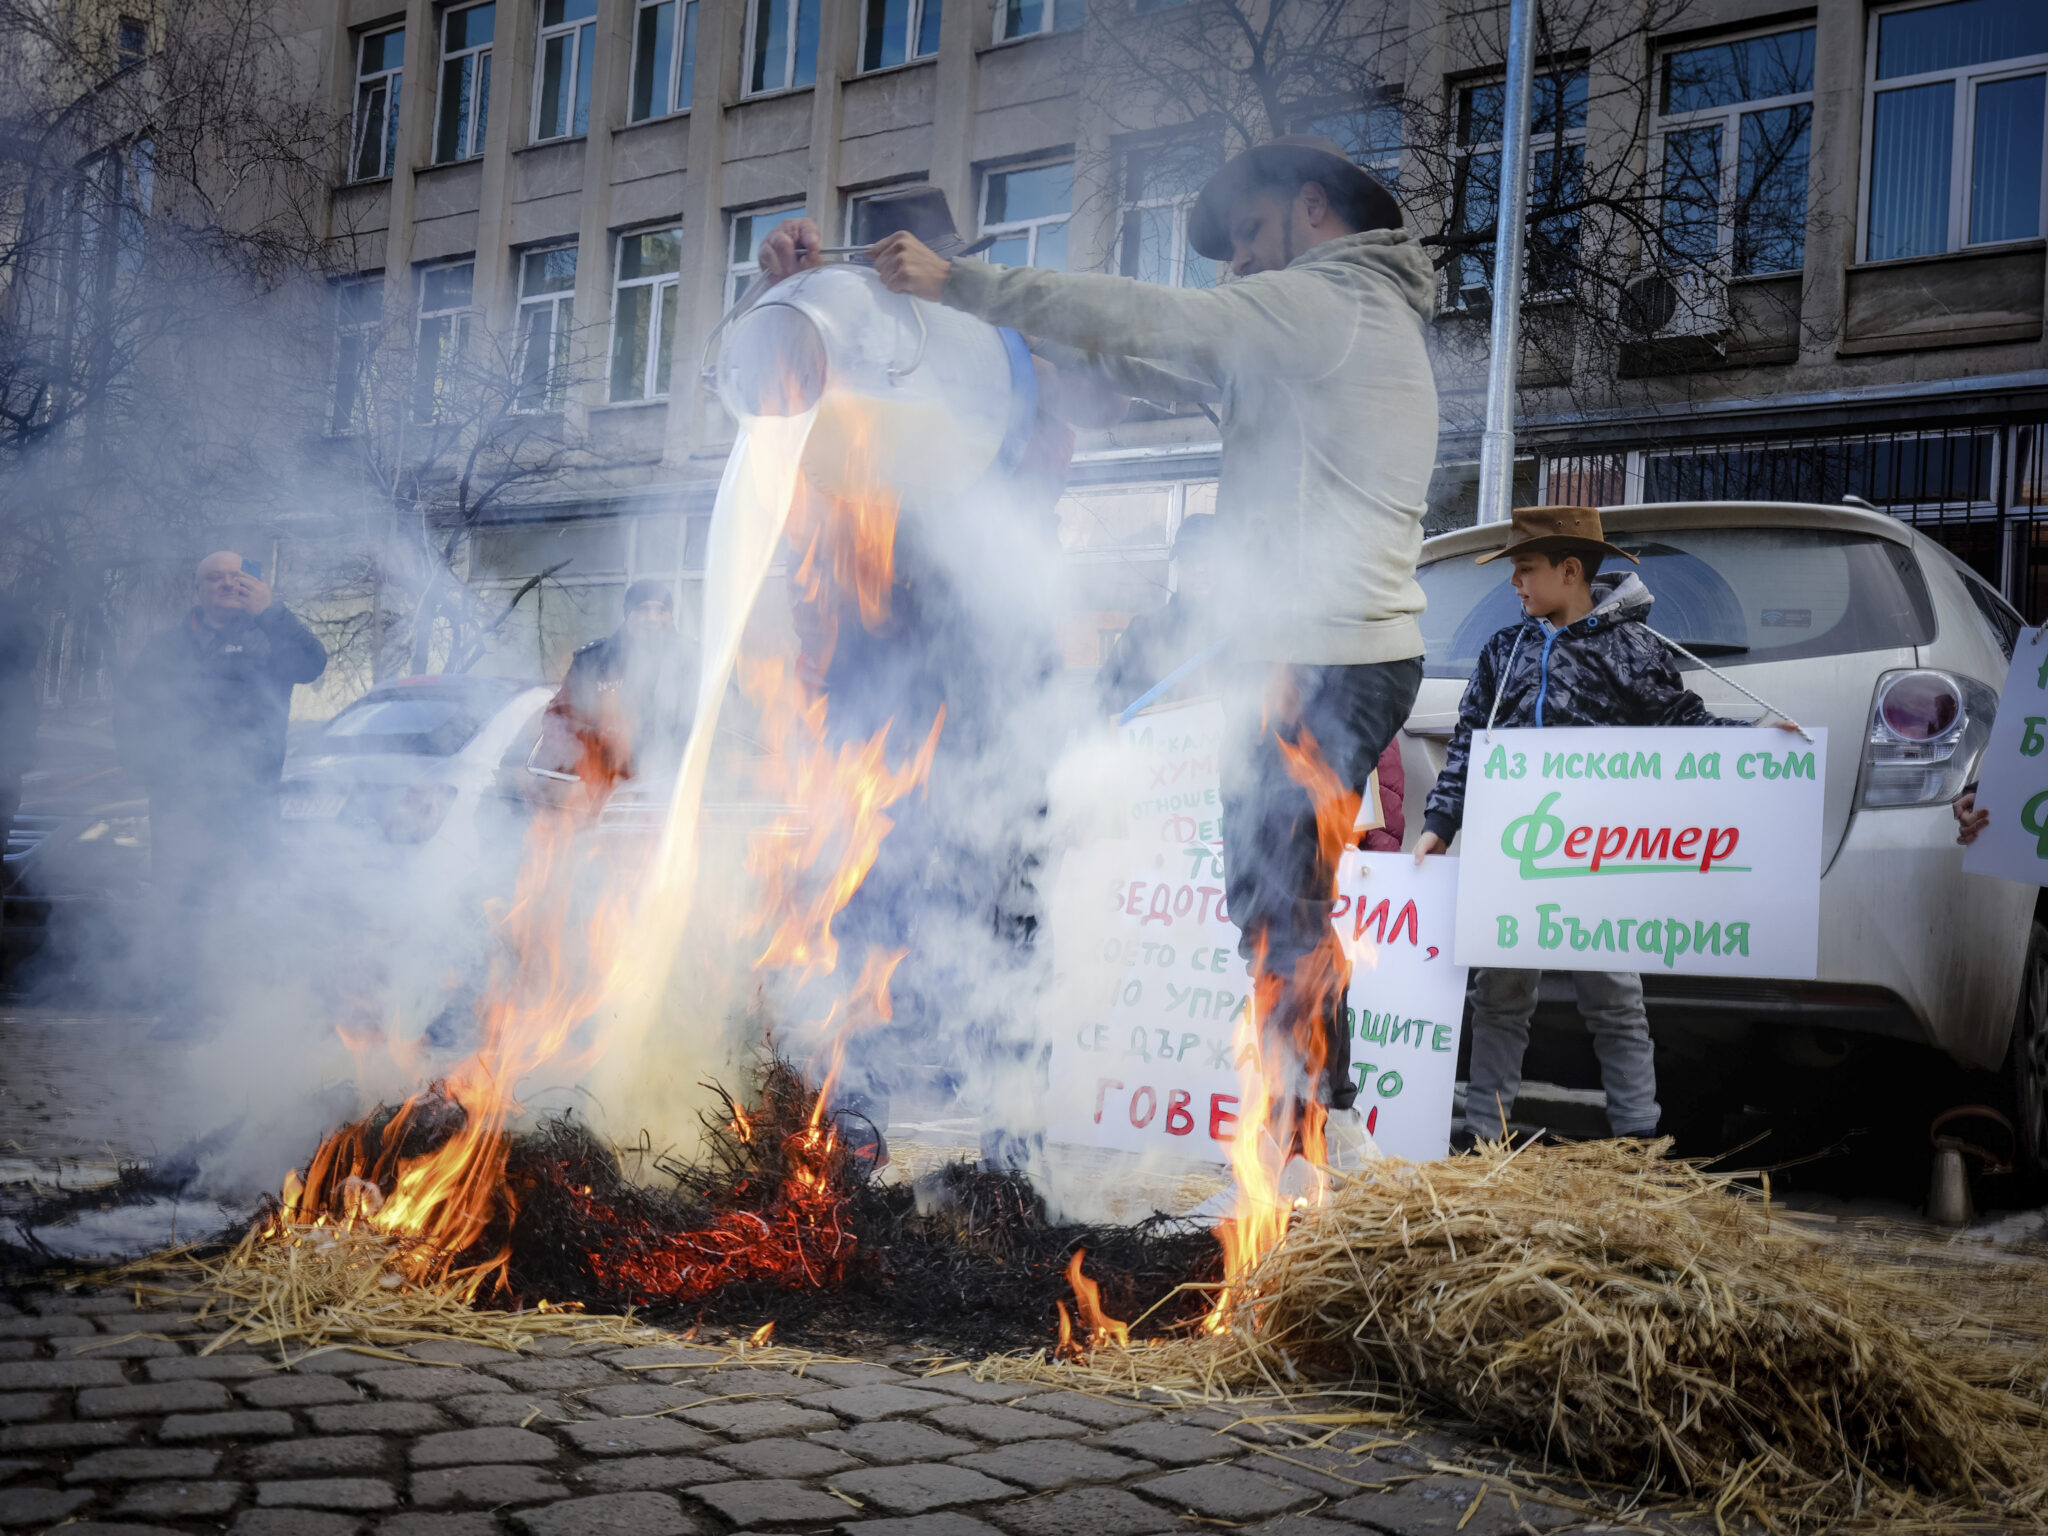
point(1692, 850)
point(2013, 785)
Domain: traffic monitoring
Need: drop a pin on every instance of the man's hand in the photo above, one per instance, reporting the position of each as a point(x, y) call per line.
point(1427, 844)
point(1969, 820)
point(908, 265)
point(791, 247)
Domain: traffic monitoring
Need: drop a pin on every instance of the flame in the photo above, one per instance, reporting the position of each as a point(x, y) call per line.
point(1104, 1331)
point(761, 1335)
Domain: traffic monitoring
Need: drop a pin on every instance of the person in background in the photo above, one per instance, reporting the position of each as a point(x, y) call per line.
point(201, 723)
point(625, 706)
point(1582, 654)
point(1970, 821)
point(21, 651)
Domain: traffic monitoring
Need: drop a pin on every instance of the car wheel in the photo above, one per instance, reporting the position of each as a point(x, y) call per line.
point(2026, 1063)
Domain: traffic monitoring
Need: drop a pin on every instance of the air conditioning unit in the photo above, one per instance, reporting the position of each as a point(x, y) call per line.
point(1689, 303)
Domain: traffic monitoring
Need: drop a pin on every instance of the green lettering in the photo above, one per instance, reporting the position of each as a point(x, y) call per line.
point(1553, 765)
point(1648, 765)
point(1799, 765)
point(1440, 1037)
point(1549, 932)
point(1649, 933)
point(1626, 924)
point(1677, 940)
point(1704, 934)
point(1688, 769)
point(2033, 741)
point(1497, 763)
point(1710, 765)
point(1742, 768)
point(1603, 935)
point(1389, 1085)
point(1738, 939)
point(1506, 935)
point(1617, 766)
point(1521, 765)
point(1375, 1028)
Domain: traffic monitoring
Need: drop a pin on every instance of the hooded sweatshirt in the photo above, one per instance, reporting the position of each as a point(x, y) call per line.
point(1605, 669)
point(1328, 411)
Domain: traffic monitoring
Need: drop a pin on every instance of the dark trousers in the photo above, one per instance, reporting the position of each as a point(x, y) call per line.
point(1277, 879)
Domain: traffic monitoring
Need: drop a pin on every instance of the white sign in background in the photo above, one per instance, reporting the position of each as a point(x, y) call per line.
point(2013, 784)
point(1685, 849)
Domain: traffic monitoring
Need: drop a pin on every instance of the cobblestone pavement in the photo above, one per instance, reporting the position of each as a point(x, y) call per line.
point(111, 1421)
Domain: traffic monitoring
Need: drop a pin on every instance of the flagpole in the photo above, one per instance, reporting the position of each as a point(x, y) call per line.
point(1497, 442)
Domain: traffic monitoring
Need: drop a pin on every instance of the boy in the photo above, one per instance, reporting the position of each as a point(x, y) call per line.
point(1582, 655)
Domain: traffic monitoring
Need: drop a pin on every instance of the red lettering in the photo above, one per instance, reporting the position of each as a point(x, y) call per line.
point(1575, 845)
point(1643, 846)
point(1604, 849)
point(1102, 1087)
point(1363, 917)
point(1340, 906)
point(1178, 1121)
point(1683, 845)
point(1715, 848)
point(1131, 897)
point(1150, 1100)
point(1407, 915)
point(1218, 1131)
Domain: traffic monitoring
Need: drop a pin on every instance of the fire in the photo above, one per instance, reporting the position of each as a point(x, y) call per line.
point(762, 1334)
point(1104, 1331)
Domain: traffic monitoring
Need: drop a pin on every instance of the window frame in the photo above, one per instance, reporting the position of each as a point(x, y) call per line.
point(1962, 137)
point(459, 317)
point(561, 329)
point(735, 269)
point(393, 79)
point(126, 57)
point(344, 330)
point(682, 47)
point(480, 97)
point(1452, 300)
point(575, 31)
point(913, 28)
point(1048, 20)
point(662, 300)
point(1180, 205)
point(1012, 227)
point(1730, 116)
point(792, 47)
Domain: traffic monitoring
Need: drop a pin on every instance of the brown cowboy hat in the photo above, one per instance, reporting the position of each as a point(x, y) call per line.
point(1307, 155)
point(922, 211)
point(1556, 531)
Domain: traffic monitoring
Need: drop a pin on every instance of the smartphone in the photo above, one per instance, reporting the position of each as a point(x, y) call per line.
point(253, 568)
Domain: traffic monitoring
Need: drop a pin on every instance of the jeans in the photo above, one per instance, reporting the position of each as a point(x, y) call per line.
point(1277, 879)
point(1611, 1002)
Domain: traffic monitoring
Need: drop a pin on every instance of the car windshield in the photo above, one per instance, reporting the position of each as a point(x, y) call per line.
point(418, 722)
point(1734, 595)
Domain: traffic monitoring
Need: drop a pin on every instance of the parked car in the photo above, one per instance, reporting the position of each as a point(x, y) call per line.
point(1852, 620)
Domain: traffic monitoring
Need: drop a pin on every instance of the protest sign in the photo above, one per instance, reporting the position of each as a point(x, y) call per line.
point(1692, 850)
point(2013, 783)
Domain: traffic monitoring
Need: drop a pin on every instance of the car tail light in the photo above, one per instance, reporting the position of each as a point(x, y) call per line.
point(1927, 735)
point(418, 813)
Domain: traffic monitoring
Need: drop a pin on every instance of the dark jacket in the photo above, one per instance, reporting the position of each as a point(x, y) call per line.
point(203, 715)
point(1607, 669)
point(613, 718)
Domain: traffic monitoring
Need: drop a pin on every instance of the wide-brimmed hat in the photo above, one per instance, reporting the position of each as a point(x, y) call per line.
point(1556, 531)
point(922, 211)
point(1307, 155)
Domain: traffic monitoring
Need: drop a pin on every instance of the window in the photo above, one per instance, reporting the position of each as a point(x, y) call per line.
point(358, 318)
point(465, 82)
point(1370, 135)
point(1954, 124)
point(1734, 122)
point(131, 41)
point(1557, 129)
point(380, 57)
point(664, 58)
point(782, 45)
point(443, 334)
point(1029, 209)
point(1028, 18)
point(896, 31)
point(547, 310)
point(744, 264)
point(644, 313)
point(1160, 183)
point(568, 50)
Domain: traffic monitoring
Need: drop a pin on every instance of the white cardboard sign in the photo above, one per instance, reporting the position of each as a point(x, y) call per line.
point(1693, 850)
point(2013, 784)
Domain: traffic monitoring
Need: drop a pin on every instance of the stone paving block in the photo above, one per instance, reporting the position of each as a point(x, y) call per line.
point(253, 1424)
point(635, 1472)
point(1435, 1506)
point(1084, 1512)
point(1226, 1493)
point(115, 1528)
point(157, 1397)
point(757, 1382)
point(641, 1397)
point(209, 1368)
point(31, 1375)
point(555, 1375)
point(135, 1464)
point(10, 1469)
point(986, 1421)
point(1304, 1525)
point(752, 1421)
point(80, 1305)
point(293, 1522)
point(894, 1440)
point(916, 1488)
point(960, 1384)
point(46, 1327)
point(39, 1506)
point(783, 1458)
point(1325, 1470)
point(663, 1354)
point(341, 1360)
point(410, 1524)
point(770, 1501)
point(856, 1373)
point(487, 1486)
point(631, 1437)
point(333, 1453)
point(429, 1383)
point(470, 1447)
point(379, 1418)
point(151, 1322)
point(63, 1437)
point(120, 1347)
point(1173, 1445)
point(1095, 1412)
point(20, 1349)
point(20, 1407)
point(950, 1523)
point(1046, 1464)
point(180, 1501)
point(486, 1410)
point(608, 1514)
point(297, 1392)
point(879, 1400)
point(458, 1352)
point(363, 1494)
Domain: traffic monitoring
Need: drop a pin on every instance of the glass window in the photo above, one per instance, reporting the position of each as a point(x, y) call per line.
point(782, 45)
point(1370, 135)
point(443, 334)
point(1027, 18)
point(547, 312)
point(644, 314)
point(1957, 118)
point(131, 41)
point(1160, 184)
point(568, 52)
point(416, 720)
point(1029, 209)
point(358, 321)
point(896, 31)
point(380, 60)
point(744, 263)
point(1557, 131)
point(465, 82)
point(664, 58)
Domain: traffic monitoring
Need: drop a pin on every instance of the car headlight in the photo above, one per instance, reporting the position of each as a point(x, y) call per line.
point(417, 814)
point(1927, 735)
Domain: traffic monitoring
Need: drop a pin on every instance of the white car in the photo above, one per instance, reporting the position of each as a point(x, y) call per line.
point(1852, 620)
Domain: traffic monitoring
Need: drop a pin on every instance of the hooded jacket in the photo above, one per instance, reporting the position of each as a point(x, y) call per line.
point(1328, 413)
point(1606, 669)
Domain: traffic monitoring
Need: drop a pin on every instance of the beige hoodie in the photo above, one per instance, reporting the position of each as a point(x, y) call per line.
point(1329, 421)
